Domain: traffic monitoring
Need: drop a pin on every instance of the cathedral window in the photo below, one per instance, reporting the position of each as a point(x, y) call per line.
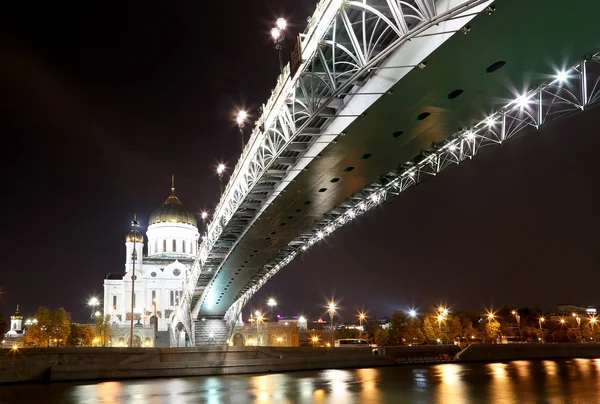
point(153, 296)
point(164, 245)
point(183, 246)
point(156, 246)
point(172, 298)
point(177, 295)
point(174, 245)
point(114, 306)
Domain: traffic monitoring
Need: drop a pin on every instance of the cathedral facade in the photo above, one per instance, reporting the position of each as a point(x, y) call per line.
point(171, 245)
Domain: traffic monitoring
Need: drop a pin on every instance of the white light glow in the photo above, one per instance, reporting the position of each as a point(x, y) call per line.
point(220, 169)
point(204, 215)
point(412, 313)
point(241, 117)
point(562, 76)
point(281, 24)
point(275, 33)
point(470, 136)
point(304, 248)
point(490, 121)
point(452, 147)
point(522, 101)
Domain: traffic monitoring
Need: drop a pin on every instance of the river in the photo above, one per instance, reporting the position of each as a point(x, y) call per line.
point(549, 381)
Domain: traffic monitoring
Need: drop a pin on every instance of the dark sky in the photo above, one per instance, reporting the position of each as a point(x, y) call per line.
point(100, 105)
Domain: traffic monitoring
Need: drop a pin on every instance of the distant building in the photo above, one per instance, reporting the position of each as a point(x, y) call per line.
point(14, 335)
point(281, 333)
point(569, 309)
point(159, 275)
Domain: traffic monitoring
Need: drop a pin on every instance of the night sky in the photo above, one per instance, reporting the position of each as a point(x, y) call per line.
point(102, 104)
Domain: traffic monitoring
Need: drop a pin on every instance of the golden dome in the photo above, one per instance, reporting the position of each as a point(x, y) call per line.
point(172, 211)
point(134, 236)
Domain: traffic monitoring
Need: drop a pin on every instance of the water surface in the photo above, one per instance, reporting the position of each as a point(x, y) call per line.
point(566, 381)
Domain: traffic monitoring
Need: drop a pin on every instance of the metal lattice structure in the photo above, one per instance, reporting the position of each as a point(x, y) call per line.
point(574, 90)
point(345, 47)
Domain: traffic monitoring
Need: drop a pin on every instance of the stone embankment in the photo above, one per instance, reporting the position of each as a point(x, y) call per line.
point(63, 364)
point(71, 364)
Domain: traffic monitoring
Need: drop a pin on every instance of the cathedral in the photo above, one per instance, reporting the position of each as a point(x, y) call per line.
point(171, 245)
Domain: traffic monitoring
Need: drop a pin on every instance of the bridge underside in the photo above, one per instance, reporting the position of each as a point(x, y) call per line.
point(534, 38)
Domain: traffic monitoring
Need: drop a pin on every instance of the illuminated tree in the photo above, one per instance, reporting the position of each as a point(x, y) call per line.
point(104, 328)
point(81, 335)
point(53, 328)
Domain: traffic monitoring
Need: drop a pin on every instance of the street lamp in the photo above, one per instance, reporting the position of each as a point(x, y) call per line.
point(259, 317)
point(93, 303)
point(241, 120)
point(592, 323)
point(440, 318)
point(361, 318)
point(272, 303)
point(331, 309)
point(314, 340)
point(541, 320)
point(220, 171)
point(412, 313)
point(490, 317)
point(204, 215)
point(135, 224)
point(278, 36)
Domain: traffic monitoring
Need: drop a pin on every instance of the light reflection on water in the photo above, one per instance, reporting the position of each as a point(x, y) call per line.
point(567, 381)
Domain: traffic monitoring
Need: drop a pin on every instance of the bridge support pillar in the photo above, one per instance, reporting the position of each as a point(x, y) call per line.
point(210, 332)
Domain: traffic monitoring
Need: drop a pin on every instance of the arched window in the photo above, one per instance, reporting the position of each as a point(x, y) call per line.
point(164, 245)
point(172, 298)
point(174, 245)
point(114, 302)
point(155, 246)
point(183, 246)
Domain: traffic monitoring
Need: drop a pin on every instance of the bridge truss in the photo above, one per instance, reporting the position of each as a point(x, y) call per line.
point(573, 90)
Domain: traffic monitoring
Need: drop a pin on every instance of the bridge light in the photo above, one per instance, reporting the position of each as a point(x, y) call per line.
point(522, 101)
point(470, 136)
point(304, 248)
point(452, 147)
point(562, 76)
point(319, 235)
point(490, 121)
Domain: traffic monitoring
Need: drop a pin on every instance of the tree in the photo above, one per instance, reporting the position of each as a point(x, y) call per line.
point(397, 328)
point(53, 328)
point(492, 331)
point(431, 334)
point(344, 332)
point(381, 337)
point(81, 335)
point(104, 328)
point(3, 325)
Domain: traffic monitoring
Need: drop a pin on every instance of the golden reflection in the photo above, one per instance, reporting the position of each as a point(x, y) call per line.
point(368, 380)
point(110, 391)
point(261, 386)
point(502, 388)
point(451, 388)
point(338, 381)
point(319, 396)
point(522, 368)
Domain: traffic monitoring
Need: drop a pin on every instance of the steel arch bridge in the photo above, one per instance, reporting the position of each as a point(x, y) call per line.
point(388, 94)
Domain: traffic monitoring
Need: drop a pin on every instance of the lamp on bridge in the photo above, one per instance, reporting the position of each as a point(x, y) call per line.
point(241, 118)
point(220, 171)
point(331, 309)
point(278, 35)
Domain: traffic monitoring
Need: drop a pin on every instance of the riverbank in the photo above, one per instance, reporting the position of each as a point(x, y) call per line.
point(77, 364)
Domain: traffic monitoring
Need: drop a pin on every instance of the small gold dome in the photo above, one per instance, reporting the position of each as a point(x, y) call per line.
point(134, 236)
point(172, 211)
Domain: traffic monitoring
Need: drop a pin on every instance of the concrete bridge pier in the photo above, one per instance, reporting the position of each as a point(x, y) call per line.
point(210, 331)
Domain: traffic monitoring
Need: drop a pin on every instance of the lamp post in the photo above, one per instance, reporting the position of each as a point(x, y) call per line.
point(331, 308)
point(135, 225)
point(578, 321)
point(93, 303)
point(155, 321)
point(592, 323)
point(518, 318)
point(259, 317)
point(241, 120)
point(541, 320)
point(278, 36)
point(314, 340)
point(361, 318)
point(272, 303)
point(220, 172)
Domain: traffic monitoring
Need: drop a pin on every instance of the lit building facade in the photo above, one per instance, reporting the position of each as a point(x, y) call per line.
point(172, 244)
